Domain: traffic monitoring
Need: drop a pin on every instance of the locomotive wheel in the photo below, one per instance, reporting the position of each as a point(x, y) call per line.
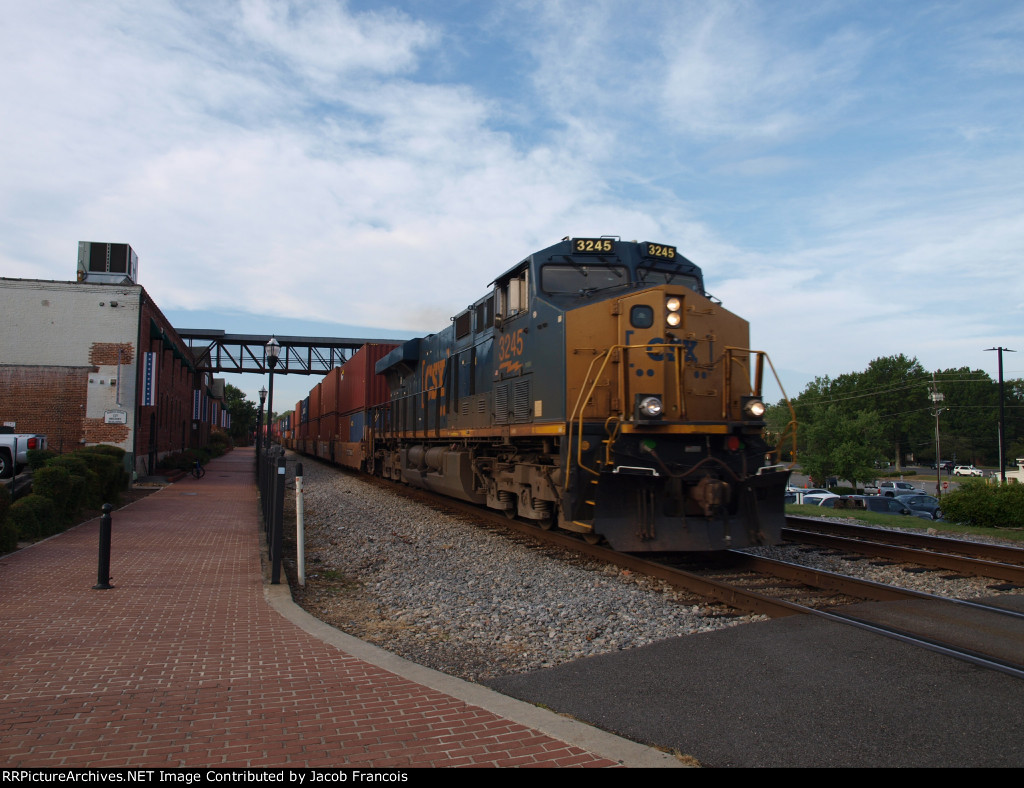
point(546, 523)
point(511, 513)
point(593, 539)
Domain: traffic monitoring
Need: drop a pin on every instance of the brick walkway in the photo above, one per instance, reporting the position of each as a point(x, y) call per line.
point(187, 663)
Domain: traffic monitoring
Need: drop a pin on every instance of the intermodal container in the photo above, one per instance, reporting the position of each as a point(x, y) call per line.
point(329, 392)
point(328, 426)
point(314, 402)
point(359, 387)
point(352, 425)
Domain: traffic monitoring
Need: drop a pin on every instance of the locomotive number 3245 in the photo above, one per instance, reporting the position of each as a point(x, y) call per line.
point(510, 345)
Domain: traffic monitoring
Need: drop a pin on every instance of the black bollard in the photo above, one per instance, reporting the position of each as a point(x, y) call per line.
point(103, 573)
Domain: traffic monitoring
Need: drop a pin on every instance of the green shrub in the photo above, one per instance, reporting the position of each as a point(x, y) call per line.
point(105, 474)
point(983, 505)
point(37, 458)
point(34, 517)
point(8, 533)
point(103, 448)
point(8, 537)
point(220, 443)
point(55, 482)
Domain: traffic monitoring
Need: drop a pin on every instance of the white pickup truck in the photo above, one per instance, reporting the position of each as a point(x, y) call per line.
point(891, 489)
point(14, 451)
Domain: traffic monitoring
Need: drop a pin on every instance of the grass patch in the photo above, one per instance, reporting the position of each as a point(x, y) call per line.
point(903, 521)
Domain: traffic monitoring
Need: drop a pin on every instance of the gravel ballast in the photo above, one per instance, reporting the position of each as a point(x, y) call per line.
point(475, 603)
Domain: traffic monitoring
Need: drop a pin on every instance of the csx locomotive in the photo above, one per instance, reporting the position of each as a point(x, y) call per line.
point(596, 388)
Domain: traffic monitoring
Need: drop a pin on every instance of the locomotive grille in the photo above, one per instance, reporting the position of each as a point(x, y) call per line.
point(519, 411)
point(521, 401)
point(501, 413)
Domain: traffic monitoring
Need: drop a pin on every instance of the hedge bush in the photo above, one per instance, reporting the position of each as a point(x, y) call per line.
point(183, 461)
point(220, 443)
point(8, 533)
point(55, 483)
point(984, 505)
point(34, 517)
point(37, 458)
point(111, 477)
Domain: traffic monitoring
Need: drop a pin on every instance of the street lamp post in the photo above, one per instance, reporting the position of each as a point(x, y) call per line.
point(273, 354)
point(259, 426)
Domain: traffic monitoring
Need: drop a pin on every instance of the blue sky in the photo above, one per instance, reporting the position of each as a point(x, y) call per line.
point(848, 174)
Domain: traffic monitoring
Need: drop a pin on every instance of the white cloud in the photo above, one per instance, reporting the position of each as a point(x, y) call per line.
point(323, 41)
point(308, 159)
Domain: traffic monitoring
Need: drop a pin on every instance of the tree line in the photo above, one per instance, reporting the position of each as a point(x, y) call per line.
point(850, 426)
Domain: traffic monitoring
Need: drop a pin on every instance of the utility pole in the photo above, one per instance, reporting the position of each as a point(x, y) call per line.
point(937, 397)
point(1002, 414)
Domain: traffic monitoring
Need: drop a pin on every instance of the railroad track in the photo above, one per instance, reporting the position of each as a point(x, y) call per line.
point(973, 558)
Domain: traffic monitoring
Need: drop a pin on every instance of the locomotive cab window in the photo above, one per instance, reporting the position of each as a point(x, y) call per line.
point(659, 276)
point(513, 295)
point(581, 279)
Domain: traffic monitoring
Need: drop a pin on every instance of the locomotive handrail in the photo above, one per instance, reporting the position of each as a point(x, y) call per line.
point(729, 355)
point(586, 393)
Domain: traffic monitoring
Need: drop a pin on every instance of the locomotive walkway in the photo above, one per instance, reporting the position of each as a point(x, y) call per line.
point(193, 659)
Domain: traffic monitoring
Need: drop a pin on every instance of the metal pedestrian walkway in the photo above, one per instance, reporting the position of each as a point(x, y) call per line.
point(193, 660)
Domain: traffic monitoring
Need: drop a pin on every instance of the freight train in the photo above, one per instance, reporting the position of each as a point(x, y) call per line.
point(596, 388)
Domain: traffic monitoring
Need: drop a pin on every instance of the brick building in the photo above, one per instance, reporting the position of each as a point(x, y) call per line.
point(95, 361)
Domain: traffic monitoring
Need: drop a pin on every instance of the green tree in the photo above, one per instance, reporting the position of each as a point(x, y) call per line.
point(841, 444)
point(243, 414)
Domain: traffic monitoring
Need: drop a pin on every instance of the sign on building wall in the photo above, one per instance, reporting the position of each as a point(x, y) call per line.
point(149, 369)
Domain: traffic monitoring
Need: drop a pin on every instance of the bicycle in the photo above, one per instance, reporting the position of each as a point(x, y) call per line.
point(198, 471)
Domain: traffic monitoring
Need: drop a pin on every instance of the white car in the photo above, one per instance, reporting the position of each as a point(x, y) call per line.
point(817, 498)
point(967, 470)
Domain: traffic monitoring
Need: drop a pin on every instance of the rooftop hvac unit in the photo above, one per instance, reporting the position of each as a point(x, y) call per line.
point(112, 264)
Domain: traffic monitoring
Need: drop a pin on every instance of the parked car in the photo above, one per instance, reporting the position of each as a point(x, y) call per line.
point(14, 451)
point(967, 470)
point(817, 498)
point(873, 503)
point(928, 504)
point(891, 489)
point(810, 496)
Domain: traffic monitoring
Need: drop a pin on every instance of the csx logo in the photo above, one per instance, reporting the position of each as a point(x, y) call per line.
point(686, 345)
point(433, 378)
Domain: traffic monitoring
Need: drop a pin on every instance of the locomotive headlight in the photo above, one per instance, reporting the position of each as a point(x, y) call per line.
point(672, 306)
point(648, 407)
point(753, 408)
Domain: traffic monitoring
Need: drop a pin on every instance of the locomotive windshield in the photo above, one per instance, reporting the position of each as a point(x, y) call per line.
point(582, 279)
point(661, 276)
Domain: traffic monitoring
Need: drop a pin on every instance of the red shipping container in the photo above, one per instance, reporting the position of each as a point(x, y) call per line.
point(329, 392)
point(359, 386)
point(328, 426)
point(314, 402)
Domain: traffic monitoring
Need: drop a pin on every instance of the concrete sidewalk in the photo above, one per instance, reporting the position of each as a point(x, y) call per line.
point(192, 660)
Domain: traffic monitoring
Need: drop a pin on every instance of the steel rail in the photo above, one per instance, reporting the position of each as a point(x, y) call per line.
point(973, 566)
point(992, 552)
